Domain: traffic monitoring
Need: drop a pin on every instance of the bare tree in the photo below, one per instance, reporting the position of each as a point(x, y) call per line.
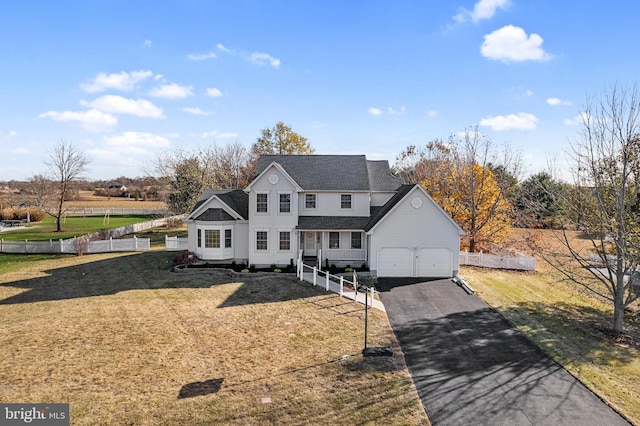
point(40, 187)
point(604, 201)
point(65, 164)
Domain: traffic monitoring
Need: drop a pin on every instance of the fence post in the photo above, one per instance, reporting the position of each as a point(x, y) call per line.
point(2, 245)
point(111, 243)
point(315, 276)
point(26, 246)
point(371, 289)
point(326, 274)
point(61, 250)
point(135, 243)
point(341, 286)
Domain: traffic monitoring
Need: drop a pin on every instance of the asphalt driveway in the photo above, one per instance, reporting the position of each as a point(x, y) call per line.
point(472, 368)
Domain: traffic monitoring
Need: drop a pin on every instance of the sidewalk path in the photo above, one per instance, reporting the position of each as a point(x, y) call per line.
point(321, 281)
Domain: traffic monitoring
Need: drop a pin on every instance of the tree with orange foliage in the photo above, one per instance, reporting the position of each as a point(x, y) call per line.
point(470, 180)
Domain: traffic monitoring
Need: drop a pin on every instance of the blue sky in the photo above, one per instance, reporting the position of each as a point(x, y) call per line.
point(125, 81)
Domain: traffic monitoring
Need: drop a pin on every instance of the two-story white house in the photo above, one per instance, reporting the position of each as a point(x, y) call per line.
point(337, 209)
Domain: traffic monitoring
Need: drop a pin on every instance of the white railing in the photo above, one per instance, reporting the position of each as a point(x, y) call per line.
point(336, 284)
point(344, 254)
point(176, 243)
point(521, 263)
point(71, 246)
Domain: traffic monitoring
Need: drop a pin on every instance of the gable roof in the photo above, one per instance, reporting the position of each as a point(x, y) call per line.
point(235, 199)
point(334, 172)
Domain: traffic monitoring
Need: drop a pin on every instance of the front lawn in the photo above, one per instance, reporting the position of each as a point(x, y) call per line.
point(125, 341)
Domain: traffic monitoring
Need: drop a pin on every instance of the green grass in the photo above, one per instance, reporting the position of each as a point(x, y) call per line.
point(72, 226)
point(570, 325)
point(12, 262)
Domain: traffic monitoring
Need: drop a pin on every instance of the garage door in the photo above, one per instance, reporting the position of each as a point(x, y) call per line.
point(395, 262)
point(434, 262)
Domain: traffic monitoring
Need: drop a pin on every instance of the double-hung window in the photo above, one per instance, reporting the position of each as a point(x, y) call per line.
point(261, 240)
point(227, 238)
point(356, 240)
point(285, 203)
point(285, 241)
point(310, 201)
point(262, 202)
point(334, 240)
point(345, 201)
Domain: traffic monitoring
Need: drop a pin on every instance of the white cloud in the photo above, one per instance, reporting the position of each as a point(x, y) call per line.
point(92, 120)
point(214, 92)
point(263, 58)
point(258, 58)
point(147, 43)
point(374, 111)
point(119, 105)
point(9, 134)
point(196, 111)
point(202, 56)
point(172, 91)
point(392, 111)
point(577, 120)
point(483, 9)
point(520, 121)
point(511, 44)
point(432, 113)
point(135, 142)
point(557, 102)
point(217, 135)
point(124, 81)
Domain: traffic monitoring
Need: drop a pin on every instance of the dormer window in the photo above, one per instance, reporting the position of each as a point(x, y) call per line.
point(310, 201)
point(345, 201)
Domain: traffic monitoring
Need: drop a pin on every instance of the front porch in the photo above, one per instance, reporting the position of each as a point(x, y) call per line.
point(339, 248)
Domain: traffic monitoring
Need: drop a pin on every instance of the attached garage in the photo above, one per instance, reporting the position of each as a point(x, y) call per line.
point(410, 262)
point(434, 262)
point(395, 262)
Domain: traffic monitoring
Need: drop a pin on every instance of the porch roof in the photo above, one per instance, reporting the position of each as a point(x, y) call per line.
point(324, 223)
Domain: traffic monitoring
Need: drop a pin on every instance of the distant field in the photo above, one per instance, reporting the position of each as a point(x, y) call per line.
point(87, 199)
point(72, 226)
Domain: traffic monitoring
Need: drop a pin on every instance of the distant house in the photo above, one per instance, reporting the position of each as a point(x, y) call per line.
point(336, 209)
point(117, 187)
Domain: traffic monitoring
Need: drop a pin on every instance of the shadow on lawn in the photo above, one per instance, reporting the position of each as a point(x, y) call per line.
point(149, 270)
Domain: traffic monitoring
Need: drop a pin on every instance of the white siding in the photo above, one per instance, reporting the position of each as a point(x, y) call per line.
point(274, 183)
point(328, 204)
point(415, 228)
point(381, 198)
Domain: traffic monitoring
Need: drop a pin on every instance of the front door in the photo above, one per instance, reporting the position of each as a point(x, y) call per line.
point(311, 243)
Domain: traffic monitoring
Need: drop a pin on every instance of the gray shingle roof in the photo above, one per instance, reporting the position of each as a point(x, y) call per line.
point(237, 199)
point(378, 214)
point(215, 215)
point(334, 172)
point(318, 223)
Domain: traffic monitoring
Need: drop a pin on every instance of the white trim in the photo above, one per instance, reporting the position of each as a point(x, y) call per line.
point(304, 206)
point(281, 170)
point(256, 212)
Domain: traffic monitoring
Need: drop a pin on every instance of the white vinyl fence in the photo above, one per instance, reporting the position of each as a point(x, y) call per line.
point(176, 243)
point(72, 245)
point(98, 242)
point(521, 263)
